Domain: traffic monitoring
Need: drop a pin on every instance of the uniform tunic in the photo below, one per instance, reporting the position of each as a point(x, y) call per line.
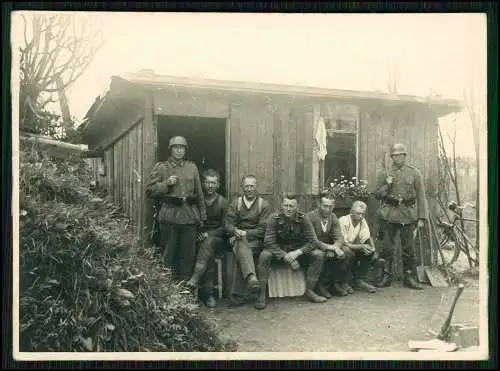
point(284, 235)
point(403, 201)
point(188, 185)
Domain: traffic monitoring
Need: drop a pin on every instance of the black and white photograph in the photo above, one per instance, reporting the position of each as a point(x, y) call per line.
point(249, 186)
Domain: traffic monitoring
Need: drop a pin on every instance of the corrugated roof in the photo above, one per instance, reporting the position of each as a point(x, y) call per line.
point(147, 77)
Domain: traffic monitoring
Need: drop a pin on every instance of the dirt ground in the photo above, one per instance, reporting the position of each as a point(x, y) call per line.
point(383, 321)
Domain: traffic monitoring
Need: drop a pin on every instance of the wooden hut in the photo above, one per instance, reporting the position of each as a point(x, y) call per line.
point(264, 129)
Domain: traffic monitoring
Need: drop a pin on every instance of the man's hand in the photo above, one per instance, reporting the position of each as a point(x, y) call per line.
point(330, 254)
point(389, 180)
point(232, 240)
point(367, 249)
point(201, 236)
point(240, 233)
point(291, 256)
point(420, 223)
point(339, 252)
point(294, 265)
point(172, 179)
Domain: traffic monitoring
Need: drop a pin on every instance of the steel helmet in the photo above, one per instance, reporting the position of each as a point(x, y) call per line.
point(398, 149)
point(178, 140)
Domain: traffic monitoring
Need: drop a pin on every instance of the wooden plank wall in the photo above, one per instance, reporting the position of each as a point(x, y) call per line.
point(382, 126)
point(123, 178)
point(252, 127)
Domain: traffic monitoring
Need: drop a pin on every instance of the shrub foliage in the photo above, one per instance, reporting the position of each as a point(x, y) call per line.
point(85, 284)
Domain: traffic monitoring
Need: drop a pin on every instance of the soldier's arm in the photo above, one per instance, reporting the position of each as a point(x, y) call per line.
point(270, 242)
point(230, 219)
point(156, 185)
point(383, 187)
point(221, 232)
point(421, 201)
point(258, 232)
point(199, 194)
point(310, 236)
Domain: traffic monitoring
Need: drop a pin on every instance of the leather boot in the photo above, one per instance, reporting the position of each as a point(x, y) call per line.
point(347, 287)
point(210, 302)
point(252, 283)
point(410, 282)
point(342, 291)
point(360, 284)
point(315, 298)
point(261, 301)
point(386, 280)
point(323, 291)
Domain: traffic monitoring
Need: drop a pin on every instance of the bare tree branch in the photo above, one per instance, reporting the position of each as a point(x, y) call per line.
point(57, 49)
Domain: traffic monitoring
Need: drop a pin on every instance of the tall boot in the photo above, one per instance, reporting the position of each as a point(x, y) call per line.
point(261, 301)
point(410, 282)
point(386, 279)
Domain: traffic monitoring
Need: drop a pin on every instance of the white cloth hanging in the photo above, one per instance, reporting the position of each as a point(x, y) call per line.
point(320, 137)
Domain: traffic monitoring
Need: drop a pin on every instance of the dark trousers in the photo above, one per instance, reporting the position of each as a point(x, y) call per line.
point(245, 253)
point(335, 270)
point(405, 233)
point(179, 248)
point(312, 262)
point(359, 263)
point(205, 263)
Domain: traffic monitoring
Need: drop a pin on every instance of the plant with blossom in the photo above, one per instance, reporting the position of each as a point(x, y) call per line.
point(348, 188)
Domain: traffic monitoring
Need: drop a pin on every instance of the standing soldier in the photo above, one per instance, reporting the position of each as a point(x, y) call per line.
point(176, 185)
point(245, 225)
point(211, 238)
point(327, 228)
point(290, 238)
point(401, 190)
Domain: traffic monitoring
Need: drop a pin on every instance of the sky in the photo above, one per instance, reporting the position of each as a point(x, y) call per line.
point(432, 53)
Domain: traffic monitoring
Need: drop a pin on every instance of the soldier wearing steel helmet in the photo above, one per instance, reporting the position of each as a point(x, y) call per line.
point(401, 190)
point(176, 186)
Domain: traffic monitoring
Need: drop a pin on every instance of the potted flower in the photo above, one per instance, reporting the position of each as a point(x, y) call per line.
point(346, 191)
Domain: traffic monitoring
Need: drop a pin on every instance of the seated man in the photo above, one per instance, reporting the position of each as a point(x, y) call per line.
point(245, 224)
point(211, 238)
point(358, 245)
point(327, 228)
point(290, 238)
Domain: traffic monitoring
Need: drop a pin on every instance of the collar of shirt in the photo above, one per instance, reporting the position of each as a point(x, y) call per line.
point(249, 203)
point(324, 224)
point(175, 163)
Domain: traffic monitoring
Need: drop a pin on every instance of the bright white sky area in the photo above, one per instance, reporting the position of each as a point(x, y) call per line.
point(432, 53)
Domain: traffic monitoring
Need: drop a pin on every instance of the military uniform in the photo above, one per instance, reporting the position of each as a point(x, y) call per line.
point(252, 220)
point(284, 235)
point(182, 211)
point(216, 242)
point(403, 203)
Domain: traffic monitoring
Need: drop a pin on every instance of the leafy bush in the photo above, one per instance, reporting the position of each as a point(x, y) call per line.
point(85, 285)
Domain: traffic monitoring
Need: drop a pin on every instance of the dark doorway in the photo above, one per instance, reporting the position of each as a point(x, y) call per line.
point(206, 139)
point(341, 157)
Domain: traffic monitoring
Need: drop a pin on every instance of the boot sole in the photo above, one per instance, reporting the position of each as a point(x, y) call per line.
point(260, 306)
point(254, 288)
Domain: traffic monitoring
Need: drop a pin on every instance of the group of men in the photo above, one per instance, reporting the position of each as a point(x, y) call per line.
point(196, 223)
